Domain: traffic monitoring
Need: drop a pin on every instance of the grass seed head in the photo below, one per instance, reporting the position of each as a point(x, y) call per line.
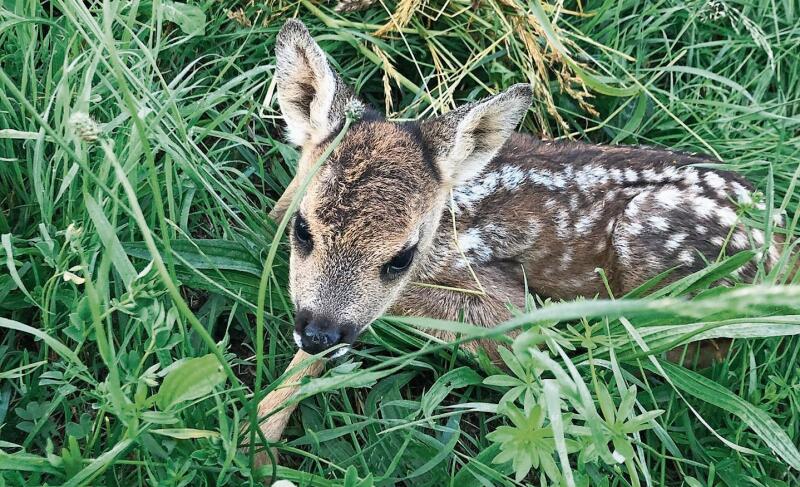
point(85, 127)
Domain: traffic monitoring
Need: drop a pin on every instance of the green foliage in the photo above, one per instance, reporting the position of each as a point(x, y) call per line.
point(143, 302)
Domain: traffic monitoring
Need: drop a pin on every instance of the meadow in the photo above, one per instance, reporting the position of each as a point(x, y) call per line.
point(143, 301)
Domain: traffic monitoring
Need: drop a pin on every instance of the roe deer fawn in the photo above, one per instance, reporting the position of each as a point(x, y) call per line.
point(462, 201)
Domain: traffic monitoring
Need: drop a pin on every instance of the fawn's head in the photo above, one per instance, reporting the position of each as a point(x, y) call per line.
point(369, 214)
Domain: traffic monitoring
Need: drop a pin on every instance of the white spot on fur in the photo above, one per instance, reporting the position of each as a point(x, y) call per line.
point(659, 222)
point(566, 260)
point(675, 241)
point(704, 207)
point(573, 202)
point(562, 223)
point(668, 197)
point(691, 176)
point(671, 173)
point(774, 255)
point(471, 241)
point(616, 175)
point(546, 179)
point(623, 249)
point(739, 240)
point(512, 177)
point(718, 241)
point(714, 181)
point(727, 217)
point(651, 175)
point(701, 229)
point(758, 236)
point(635, 228)
point(686, 257)
point(586, 222)
point(590, 177)
point(633, 208)
point(466, 195)
point(297, 339)
point(742, 195)
point(631, 176)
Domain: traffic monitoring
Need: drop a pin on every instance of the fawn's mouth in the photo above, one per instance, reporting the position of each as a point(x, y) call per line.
point(336, 351)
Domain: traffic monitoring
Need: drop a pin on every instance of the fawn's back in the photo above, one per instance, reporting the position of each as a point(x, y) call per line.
point(559, 210)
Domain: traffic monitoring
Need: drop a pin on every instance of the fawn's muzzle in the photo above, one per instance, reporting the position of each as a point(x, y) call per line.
point(317, 333)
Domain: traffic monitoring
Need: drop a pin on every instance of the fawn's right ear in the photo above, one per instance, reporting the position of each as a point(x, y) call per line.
point(311, 96)
point(466, 139)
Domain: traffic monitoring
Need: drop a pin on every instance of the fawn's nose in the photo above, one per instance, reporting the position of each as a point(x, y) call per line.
point(316, 333)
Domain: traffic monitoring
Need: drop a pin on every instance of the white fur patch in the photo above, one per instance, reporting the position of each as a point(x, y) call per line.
point(774, 254)
point(635, 228)
point(675, 241)
point(586, 222)
point(573, 202)
point(742, 195)
point(714, 181)
point(659, 222)
point(631, 176)
point(297, 339)
point(651, 175)
point(512, 177)
point(546, 179)
point(671, 173)
point(562, 223)
point(727, 217)
point(472, 242)
point(669, 197)
point(704, 207)
point(590, 177)
point(466, 195)
point(633, 208)
point(691, 176)
point(739, 240)
point(686, 257)
point(566, 260)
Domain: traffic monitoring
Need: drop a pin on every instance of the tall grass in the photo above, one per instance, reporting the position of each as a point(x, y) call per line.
point(132, 250)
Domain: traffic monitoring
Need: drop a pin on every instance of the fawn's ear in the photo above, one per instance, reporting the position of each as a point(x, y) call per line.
point(467, 138)
point(311, 96)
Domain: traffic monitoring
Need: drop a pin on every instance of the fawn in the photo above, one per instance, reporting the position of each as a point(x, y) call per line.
point(461, 201)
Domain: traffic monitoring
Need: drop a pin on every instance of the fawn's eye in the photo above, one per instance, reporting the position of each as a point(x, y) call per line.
point(301, 232)
point(399, 262)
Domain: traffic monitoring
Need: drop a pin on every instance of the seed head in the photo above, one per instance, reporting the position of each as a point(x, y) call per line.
point(354, 110)
point(84, 126)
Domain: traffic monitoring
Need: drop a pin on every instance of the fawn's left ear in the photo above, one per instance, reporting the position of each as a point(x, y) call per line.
point(467, 138)
point(311, 96)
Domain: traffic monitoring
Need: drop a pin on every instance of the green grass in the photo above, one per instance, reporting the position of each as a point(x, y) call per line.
point(96, 382)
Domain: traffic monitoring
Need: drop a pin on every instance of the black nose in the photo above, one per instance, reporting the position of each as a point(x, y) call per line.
point(317, 333)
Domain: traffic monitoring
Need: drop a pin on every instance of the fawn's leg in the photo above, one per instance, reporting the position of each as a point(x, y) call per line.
point(275, 422)
point(483, 303)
